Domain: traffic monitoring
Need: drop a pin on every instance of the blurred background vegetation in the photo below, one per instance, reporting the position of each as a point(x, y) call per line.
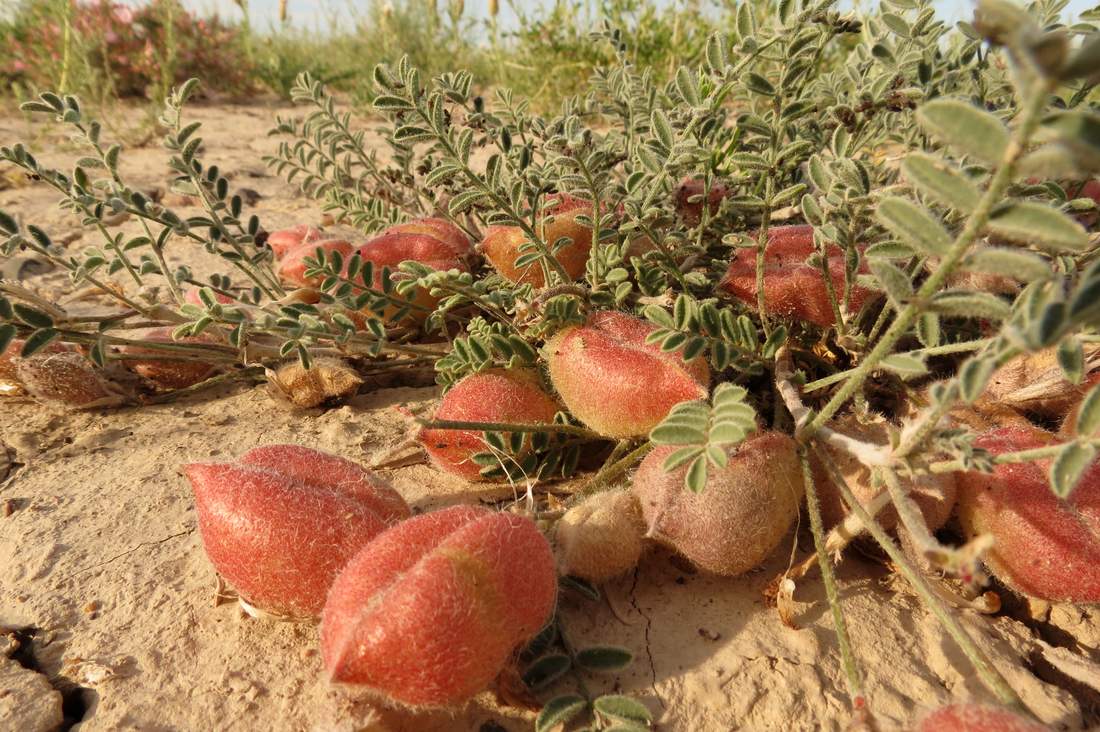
point(103, 51)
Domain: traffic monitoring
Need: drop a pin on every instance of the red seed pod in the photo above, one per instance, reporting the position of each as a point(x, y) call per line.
point(292, 268)
point(615, 382)
point(558, 220)
point(281, 521)
point(169, 373)
point(428, 613)
point(455, 239)
point(512, 396)
point(692, 211)
point(1044, 546)
point(282, 241)
point(392, 248)
point(792, 288)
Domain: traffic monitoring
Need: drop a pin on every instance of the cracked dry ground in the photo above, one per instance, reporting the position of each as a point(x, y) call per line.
point(109, 603)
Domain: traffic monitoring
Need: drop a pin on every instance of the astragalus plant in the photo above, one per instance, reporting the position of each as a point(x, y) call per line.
point(844, 257)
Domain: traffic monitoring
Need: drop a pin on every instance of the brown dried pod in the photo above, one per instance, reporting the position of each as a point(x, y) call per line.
point(169, 373)
point(66, 378)
point(1035, 383)
point(9, 361)
point(327, 379)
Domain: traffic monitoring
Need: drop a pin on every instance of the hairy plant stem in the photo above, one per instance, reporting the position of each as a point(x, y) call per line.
point(1008, 458)
point(1029, 120)
point(761, 249)
point(847, 658)
point(911, 516)
point(610, 472)
point(989, 674)
point(946, 349)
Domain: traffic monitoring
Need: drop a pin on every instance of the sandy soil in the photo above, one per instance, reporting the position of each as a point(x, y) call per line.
point(109, 605)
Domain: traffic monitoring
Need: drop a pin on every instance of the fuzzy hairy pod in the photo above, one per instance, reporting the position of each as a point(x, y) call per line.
point(969, 717)
point(558, 220)
point(792, 288)
point(1069, 422)
point(428, 613)
point(327, 379)
point(392, 248)
point(513, 396)
point(984, 415)
point(281, 521)
point(741, 515)
point(281, 242)
point(1044, 547)
point(934, 494)
point(615, 382)
point(292, 267)
point(9, 363)
point(458, 244)
point(1034, 383)
point(67, 379)
point(168, 373)
point(601, 538)
point(692, 211)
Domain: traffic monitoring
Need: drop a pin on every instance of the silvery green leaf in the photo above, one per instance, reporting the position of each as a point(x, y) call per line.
point(1069, 466)
point(940, 179)
point(1071, 357)
point(928, 329)
point(913, 225)
point(890, 250)
point(623, 708)
point(604, 659)
point(905, 365)
point(662, 129)
point(546, 670)
point(970, 304)
point(974, 377)
point(966, 128)
point(893, 280)
point(1015, 263)
point(1088, 415)
point(559, 711)
point(1030, 222)
point(7, 335)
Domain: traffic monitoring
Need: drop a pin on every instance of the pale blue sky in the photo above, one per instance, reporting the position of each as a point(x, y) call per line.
point(311, 12)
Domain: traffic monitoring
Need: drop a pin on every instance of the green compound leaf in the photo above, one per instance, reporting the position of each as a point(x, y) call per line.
point(704, 432)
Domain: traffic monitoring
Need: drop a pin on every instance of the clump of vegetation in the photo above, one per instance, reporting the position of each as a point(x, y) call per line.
point(685, 365)
point(108, 50)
